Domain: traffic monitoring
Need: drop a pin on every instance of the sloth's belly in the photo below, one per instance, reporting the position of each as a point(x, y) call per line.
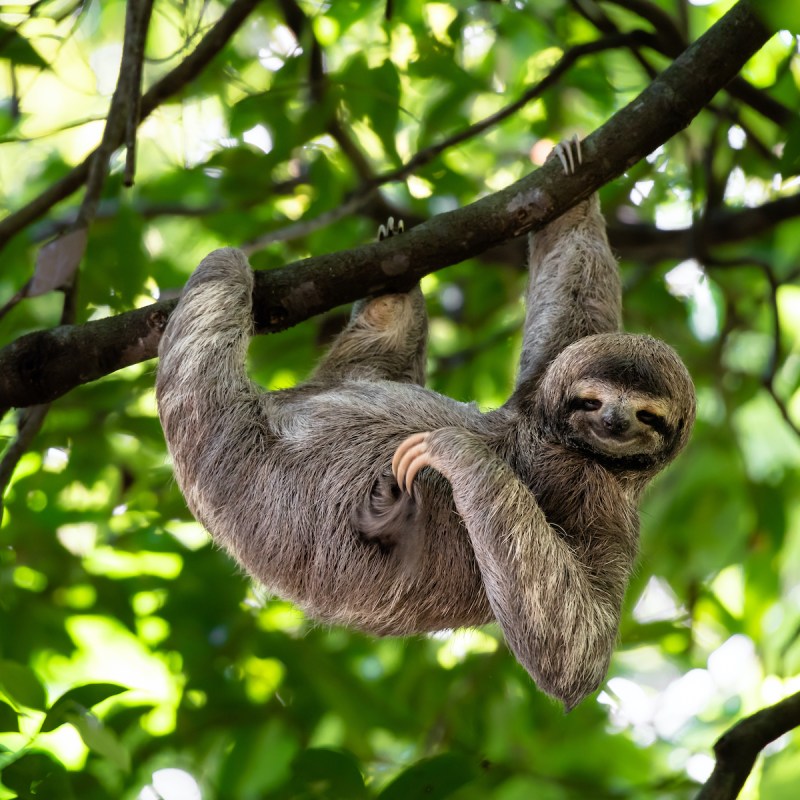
point(289, 521)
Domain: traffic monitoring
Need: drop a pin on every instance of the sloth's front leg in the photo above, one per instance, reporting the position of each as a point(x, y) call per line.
point(559, 624)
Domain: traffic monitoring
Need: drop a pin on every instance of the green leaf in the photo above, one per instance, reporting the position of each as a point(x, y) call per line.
point(17, 49)
point(790, 158)
point(329, 774)
point(78, 701)
point(22, 684)
point(779, 14)
point(9, 719)
point(431, 778)
point(372, 94)
point(386, 110)
point(37, 776)
point(100, 739)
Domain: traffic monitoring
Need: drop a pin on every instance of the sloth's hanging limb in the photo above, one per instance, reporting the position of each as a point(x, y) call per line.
point(42, 366)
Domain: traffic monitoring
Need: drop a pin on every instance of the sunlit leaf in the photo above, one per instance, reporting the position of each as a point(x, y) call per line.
point(17, 49)
point(22, 683)
point(78, 701)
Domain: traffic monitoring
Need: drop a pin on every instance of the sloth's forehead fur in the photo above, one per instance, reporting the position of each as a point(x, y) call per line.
point(636, 374)
point(640, 363)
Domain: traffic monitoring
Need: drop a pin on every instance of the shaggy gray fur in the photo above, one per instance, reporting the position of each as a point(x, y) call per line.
point(535, 524)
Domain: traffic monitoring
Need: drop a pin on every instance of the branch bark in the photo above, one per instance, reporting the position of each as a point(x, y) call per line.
point(737, 749)
point(44, 365)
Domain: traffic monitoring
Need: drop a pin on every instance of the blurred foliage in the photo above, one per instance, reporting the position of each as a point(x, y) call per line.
point(135, 662)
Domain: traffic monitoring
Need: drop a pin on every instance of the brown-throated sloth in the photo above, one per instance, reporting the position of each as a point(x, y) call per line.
point(298, 484)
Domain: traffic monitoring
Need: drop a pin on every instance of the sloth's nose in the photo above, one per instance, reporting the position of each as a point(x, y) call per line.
point(616, 423)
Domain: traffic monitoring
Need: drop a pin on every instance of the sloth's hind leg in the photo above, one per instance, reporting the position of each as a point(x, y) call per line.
point(384, 340)
point(391, 519)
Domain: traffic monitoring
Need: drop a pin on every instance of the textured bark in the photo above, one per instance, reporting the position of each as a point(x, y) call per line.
point(42, 366)
point(738, 749)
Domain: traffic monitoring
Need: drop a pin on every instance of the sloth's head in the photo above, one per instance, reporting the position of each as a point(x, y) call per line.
point(624, 399)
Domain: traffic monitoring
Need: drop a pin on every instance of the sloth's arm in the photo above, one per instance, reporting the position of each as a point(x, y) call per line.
point(574, 287)
point(558, 618)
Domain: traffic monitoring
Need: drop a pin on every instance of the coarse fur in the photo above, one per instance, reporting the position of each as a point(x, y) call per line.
point(529, 513)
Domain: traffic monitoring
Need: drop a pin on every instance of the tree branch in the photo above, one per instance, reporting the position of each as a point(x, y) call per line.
point(46, 364)
point(644, 242)
point(370, 183)
point(669, 41)
point(738, 748)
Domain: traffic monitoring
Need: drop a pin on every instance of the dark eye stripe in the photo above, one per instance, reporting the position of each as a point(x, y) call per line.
point(585, 404)
point(656, 422)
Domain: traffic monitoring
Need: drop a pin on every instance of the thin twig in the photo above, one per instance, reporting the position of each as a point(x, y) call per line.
point(670, 42)
point(29, 424)
point(210, 46)
point(13, 300)
point(137, 22)
point(368, 189)
point(770, 373)
point(566, 61)
point(306, 227)
point(122, 101)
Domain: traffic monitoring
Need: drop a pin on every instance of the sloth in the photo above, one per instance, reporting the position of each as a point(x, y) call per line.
point(373, 502)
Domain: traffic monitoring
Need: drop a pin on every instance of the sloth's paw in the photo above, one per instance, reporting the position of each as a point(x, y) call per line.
point(390, 229)
point(569, 154)
point(410, 457)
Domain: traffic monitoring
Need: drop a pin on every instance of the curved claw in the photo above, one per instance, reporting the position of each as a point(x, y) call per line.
point(568, 152)
point(409, 458)
point(390, 229)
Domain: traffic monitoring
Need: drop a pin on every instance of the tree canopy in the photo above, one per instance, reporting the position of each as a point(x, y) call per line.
point(135, 661)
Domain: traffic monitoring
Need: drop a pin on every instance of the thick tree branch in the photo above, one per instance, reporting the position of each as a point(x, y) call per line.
point(44, 365)
point(738, 748)
point(211, 44)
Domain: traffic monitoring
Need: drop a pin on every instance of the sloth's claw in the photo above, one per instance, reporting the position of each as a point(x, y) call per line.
point(390, 229)
point(409, 458)
point(568, 152)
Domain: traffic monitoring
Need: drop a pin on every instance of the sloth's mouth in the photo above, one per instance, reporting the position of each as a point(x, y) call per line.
point(623, 443)
point(615, 454)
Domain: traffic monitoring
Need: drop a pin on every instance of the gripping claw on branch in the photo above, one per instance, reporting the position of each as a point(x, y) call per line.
point(568, 152)
point(390, 229)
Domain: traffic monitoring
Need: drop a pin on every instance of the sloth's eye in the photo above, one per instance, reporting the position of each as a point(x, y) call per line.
point(586, 404)
point(648, 418)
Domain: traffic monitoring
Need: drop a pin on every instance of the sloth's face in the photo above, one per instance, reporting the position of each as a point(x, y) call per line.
point(616, 422)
